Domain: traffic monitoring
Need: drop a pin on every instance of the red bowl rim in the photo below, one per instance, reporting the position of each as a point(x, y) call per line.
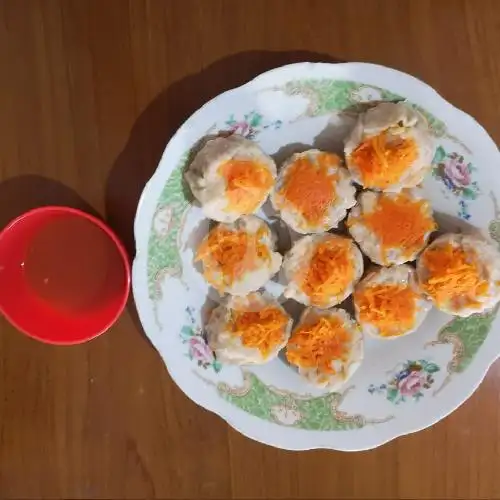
point(110, 234)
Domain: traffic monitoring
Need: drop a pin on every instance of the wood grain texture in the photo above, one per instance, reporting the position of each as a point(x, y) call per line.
point(90, 92)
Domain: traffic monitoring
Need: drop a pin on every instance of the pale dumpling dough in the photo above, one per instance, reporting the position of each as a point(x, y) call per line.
point(460, 274)
point(390, 148)
point(248, 330)
point(230, 177)
point(388, 302)
point(391, 228)
point(326, 347)
point(239, 258)
point(321, 270)
point(313, 191)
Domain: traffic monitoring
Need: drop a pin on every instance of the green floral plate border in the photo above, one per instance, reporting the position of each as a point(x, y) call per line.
point(436, 369)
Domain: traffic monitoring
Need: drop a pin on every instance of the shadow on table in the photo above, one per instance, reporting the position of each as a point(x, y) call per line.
point(25, 192)
point(163, 116)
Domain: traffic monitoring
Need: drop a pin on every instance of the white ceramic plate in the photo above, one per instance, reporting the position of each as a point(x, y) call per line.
point(404, 385)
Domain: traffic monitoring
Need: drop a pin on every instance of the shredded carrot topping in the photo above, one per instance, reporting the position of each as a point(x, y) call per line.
point(383, 162)
point(227, 254)
point(318, 344)
point(453, 275)
point(262, 329)
point(309, 186)
point(391, 308)
point(248, 183)
point(400, 222)
point(330, 271)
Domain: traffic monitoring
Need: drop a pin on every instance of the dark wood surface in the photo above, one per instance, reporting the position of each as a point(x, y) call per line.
point(90, 92)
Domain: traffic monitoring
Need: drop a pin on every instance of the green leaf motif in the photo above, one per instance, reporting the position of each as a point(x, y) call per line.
point(162, 251)
point(469, 194)
point(439, 155)
point(392, 394)
point(324, 95)
point(472, 332)
point(187, 331)
point(257, 401)
point(255, 119)
point(315, 413)
point(431, 368)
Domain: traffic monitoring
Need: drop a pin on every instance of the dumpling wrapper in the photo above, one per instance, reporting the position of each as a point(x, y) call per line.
point(395, 122)
point(341, 367)
point(395, 289)
point(230, 177)
point(230, 348)
point(466, 279)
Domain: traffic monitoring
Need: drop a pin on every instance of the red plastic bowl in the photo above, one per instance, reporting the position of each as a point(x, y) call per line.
point(38, 318)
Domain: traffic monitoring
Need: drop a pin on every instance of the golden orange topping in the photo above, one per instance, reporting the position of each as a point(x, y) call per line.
point(226, 255)
point(400, 222)
point(309, 186)
point(453, 275)
point(262, 329)
point(382, 161)
point(330, 271)
point(390, 307)
point(317, 344)
point(248, 183)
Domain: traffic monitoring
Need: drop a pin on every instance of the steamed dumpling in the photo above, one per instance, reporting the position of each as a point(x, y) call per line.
point(391, 228)
point(248, 330)
point(313, 192)
point(390, 148)
point(326, 347)
point(460, 274)
point(239, 258)
point(321, 270)
point(230, 177)
point(388, 302)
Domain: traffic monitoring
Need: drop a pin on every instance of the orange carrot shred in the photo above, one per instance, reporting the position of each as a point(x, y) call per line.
point(309, 186)
point(453, 275)
point(400, 222)
point(389, 307)
point(331, 271)
point(226, 255)
point(317, 344)
point(248, 182)
point(382, 161)
point(262, 329)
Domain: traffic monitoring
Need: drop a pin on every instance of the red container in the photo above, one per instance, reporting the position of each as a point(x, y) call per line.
point(64, 275)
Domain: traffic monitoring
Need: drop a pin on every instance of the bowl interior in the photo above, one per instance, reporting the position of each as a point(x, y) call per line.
point(78, 253)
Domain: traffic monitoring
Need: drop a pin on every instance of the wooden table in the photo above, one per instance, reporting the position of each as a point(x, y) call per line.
point(91, 91)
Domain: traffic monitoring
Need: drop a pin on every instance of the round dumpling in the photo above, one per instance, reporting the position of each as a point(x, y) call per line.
point(239, 258)
point(230, 177)
point(321, 270)
point(388, 302)
point(460, 274)
point(248, 330)
point(390, 148)
point(313, 192)
point(326, 347)
point(391, 228)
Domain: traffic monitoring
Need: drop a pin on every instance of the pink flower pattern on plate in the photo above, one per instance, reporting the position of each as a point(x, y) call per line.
point(198, 349)
point(409, 382)
point(457, 171)
point(456, 175)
